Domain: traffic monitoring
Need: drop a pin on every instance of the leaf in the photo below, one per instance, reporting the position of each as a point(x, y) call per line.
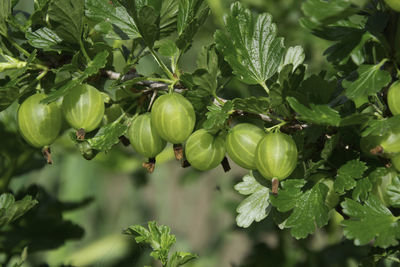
point(370, 222)
point(309, 207)
point(5, 11)
point(295, 56)
point(363, 187)
point(382, 127)
point(326, 12)
point(113, 14)
point(255, 105)
point(217, 115)
point(347, 175)
point(44, 38)
point(255, 206)
point(329, 146)
point(107, 136)
point(180, 258)
point(10, 210)
point(319, 114)
point(371, 79)
point(393, 192)
point(168, 17)
point(93, 67)
point(167, 48)
point(68, 18)
point(250, 47)
point(191, 15)
point(206, 77)
point(157, 236)
point(147, 22)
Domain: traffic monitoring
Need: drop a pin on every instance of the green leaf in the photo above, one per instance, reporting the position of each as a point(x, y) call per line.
point(295, 56)
point(147, 21)
point(363, 187)
point(255, 206)
point(370, 222)
point(180, 258)
point(67, 16)
point(382, 127)
point(347, 175)
point(250, 47)
point(393, 192)
point(329, 146)
point(10, 210)
point(206, 77)
point(309, 207)
point(157, 236)
point(168, 17)
point(114, 15)
point(107, 136)
point(167, 48)
point(5, 11)
point(319, 114)
point(370, 80)
point(192, 14)
point(45, 39)
point(326, 12)
point(255, 105)
point(217, 115)
point(92, 68)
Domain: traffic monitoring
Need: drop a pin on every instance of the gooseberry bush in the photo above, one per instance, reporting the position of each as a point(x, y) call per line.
point(319, 147)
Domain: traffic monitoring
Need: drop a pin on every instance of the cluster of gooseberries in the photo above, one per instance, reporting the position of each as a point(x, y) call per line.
point(172, 119)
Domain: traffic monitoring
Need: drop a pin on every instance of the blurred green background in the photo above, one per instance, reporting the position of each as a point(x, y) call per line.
point(198, 206)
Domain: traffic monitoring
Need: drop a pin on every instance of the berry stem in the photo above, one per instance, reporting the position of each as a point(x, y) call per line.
point(275, 186)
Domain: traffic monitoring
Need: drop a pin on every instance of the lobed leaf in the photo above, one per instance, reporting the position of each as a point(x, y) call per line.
point(107, 136)
point(68, 18)
point(370, 222)
point(113, 14)
point(347, 175)
point(370, 80)
point(256, 206)
point(250, 46)
point(309, 207)
point(10, 210)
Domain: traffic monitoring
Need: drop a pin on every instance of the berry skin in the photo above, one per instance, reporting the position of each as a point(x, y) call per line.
point(204, 151)
point(276, 156)
point(144, 138)
point(39, 124)
point(393, 98)
point(83, 107)
point(241, 144)
point(173, 117)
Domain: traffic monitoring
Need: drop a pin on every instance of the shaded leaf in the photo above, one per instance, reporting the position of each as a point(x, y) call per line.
point(5, 11)
point(113, 14)
point(67, 15)
point(180, 258)
point(10, 210)
point(370, 80)
point(93, 67)
point(382, 127)
point(363, 187)
point(393, 192)
point(256, 105)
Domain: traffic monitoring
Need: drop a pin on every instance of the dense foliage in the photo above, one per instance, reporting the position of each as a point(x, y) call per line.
point(325, 140)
